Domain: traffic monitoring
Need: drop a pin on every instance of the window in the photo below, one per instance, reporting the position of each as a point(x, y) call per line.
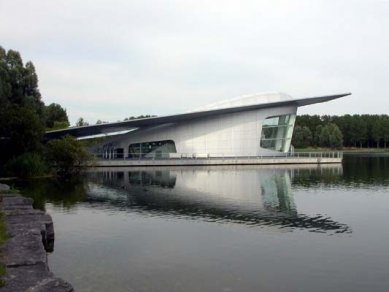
point(151, 149)
point(277, 132)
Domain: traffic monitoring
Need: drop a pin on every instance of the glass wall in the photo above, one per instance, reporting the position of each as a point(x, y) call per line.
point(277, 132)
point(155, 149)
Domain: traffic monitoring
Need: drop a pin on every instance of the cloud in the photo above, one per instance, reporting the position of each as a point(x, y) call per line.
point(113, 59)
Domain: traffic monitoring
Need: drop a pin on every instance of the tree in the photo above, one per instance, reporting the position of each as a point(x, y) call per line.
point(99, 122)
point(309, 121)
point(139, 117)
point(23, 117)
point(21, 132)
point(377, 130)
point(15, 78)
point(56, 117)
point(302, 137)
point(68, 156)
point(316, 135)
point(5, 86)
point(21, 108)
point(331, 136)
point(81, 122)
point(359, 129)
point(385, 129)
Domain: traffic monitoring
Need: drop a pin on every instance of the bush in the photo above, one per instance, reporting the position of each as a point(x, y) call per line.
point(68, 156)
point(27, 165)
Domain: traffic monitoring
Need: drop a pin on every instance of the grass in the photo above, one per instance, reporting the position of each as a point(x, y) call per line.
point(3, 229)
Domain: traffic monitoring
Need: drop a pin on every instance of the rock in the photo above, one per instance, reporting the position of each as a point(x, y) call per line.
point(4, 188)
point(25, 249)
point(34, 278)
point(31, 236)
point(15, 201)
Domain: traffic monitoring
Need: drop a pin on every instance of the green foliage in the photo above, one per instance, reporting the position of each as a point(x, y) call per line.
point(21, 109)
point(331, 136)
point(357, 130)
point(27, 165)
point(68, 156)
point(56, 117)
point(302, 137)
point(59, 126)
point(19, 83)
point(81, 122)
point(3, 229)
point(139, 117)
point(316, 136)
point(24, 119)
point(22, 131)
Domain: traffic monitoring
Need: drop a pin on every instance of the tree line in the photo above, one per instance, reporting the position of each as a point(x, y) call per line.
point(24, 118)
point(82, 122)
point(363, 131)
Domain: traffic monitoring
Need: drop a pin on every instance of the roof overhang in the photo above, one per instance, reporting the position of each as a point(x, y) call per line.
point(155, 121)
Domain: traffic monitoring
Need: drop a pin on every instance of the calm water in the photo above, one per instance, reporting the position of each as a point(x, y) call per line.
point(252, 228)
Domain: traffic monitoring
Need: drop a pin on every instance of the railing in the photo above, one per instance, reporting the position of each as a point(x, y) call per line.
point(199, 156)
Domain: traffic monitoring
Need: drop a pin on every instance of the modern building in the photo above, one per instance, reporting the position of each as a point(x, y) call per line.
point(248, 126)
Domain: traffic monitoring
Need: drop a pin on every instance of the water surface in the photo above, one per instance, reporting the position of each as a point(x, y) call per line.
point(235, 228)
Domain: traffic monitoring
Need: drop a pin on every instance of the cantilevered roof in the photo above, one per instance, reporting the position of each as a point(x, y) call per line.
point(245, 103)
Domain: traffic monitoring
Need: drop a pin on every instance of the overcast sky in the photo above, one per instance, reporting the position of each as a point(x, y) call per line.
point(112, 59)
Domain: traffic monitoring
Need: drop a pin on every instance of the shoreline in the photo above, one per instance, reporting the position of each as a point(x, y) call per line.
point(30, 237)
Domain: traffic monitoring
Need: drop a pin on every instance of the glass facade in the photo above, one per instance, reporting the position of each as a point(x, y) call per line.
point(155, 149)
point(277, 132)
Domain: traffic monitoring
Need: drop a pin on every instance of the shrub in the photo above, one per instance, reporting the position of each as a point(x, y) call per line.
point(27, 165)
point(68, 156)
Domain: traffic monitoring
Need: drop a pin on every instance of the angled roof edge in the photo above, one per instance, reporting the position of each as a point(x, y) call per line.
point(148, 122)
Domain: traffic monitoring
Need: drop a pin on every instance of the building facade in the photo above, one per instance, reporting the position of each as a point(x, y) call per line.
point(255, 125)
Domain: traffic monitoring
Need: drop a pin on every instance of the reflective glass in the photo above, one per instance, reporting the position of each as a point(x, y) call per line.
point(277, 132)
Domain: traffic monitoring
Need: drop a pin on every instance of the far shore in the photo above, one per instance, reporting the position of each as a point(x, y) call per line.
point(344, 150)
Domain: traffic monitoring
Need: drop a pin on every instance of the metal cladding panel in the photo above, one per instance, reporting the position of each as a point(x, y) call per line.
point(187, 117)
point(235, 134)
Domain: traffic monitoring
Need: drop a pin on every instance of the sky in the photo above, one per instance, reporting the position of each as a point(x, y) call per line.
point(111, 59)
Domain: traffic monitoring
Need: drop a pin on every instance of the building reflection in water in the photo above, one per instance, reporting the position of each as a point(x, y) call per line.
point(250, 195)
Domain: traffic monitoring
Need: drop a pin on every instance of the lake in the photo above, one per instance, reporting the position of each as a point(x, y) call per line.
point(219, 228)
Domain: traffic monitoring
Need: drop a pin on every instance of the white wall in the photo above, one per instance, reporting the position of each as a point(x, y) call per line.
point(236, 134)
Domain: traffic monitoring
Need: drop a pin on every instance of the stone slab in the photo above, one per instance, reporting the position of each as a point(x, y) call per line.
point(17, 200)
point(35, 278)
point(25, 249)
point(4, 188)
point(25, 252)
